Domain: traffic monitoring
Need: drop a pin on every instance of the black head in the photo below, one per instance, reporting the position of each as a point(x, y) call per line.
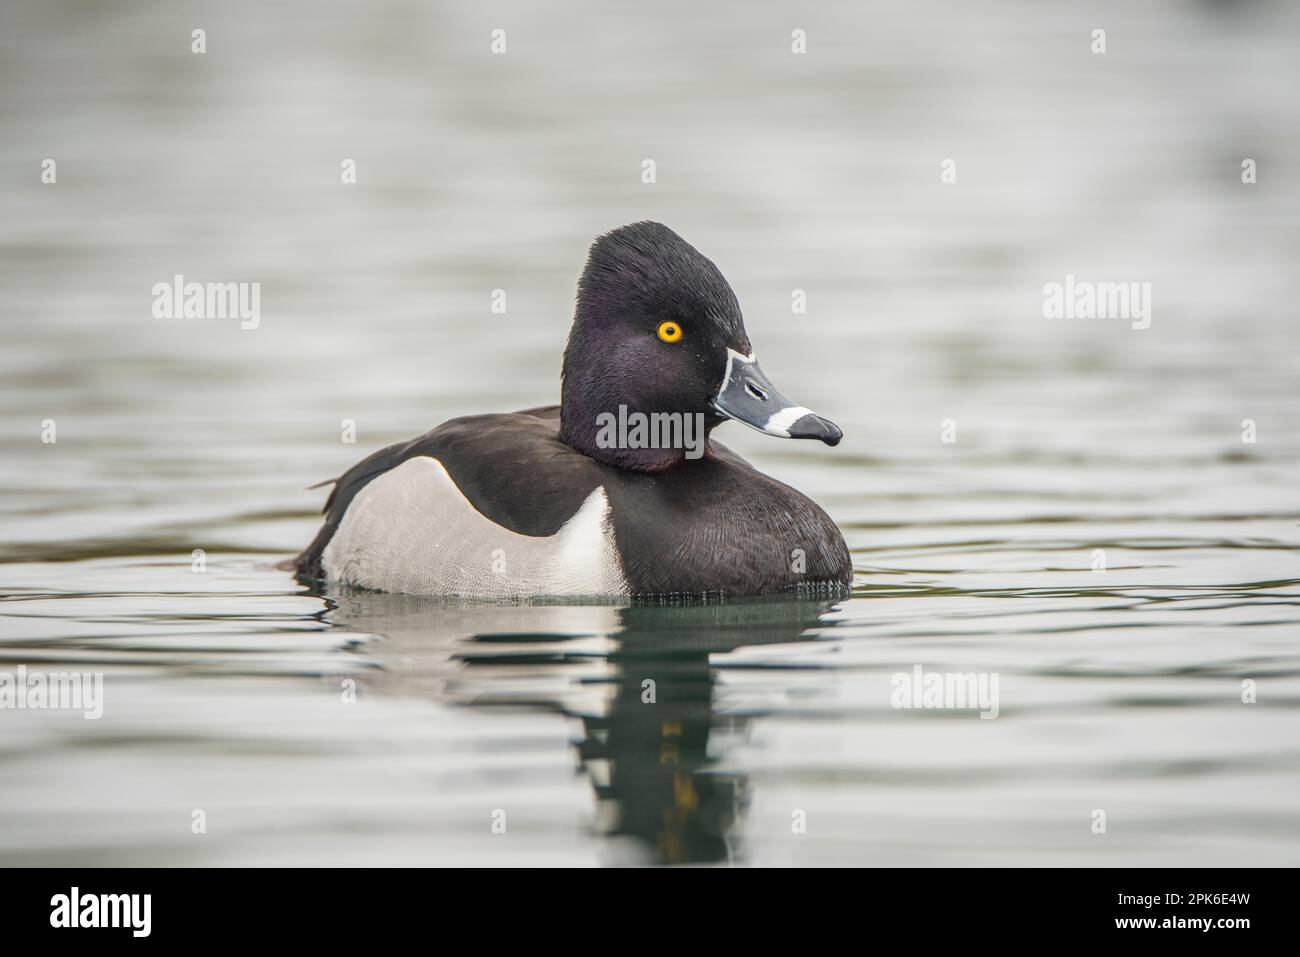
point(657, 329)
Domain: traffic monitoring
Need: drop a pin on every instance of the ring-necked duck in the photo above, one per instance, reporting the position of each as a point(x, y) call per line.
point(587, 498)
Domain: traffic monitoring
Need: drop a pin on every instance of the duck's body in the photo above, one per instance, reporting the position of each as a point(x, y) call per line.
point(496, 506)
point(530, 504)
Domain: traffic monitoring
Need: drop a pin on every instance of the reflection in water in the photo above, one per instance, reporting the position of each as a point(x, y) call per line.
point(638, 677)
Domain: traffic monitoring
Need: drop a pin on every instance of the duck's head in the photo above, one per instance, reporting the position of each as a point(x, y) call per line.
point(657, 329)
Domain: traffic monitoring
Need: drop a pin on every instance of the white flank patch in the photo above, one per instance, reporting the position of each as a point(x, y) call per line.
point(411, 530)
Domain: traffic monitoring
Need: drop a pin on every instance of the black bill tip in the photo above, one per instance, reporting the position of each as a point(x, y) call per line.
point(813, 426)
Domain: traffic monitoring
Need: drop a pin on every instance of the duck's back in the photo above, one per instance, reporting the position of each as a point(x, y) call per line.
point(496, 506)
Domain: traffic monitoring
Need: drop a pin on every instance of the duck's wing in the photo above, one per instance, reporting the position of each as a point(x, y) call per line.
point(512, 468)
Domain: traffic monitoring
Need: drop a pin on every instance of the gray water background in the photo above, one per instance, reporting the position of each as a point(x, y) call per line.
point(1120, 690)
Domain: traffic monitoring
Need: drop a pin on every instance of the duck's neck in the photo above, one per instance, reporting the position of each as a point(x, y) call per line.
point(599, 431)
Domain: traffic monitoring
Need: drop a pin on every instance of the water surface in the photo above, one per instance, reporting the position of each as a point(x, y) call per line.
point(229, 690)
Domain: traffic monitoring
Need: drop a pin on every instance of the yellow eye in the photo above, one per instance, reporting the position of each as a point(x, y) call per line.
point(670, 331)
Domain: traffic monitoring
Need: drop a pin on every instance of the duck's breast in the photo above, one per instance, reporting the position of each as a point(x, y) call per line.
point(719, 526)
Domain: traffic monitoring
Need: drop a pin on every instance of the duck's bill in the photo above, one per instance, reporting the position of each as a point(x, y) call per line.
point(749, 397)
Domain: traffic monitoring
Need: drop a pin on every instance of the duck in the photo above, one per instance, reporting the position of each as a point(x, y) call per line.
point(587, 499)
